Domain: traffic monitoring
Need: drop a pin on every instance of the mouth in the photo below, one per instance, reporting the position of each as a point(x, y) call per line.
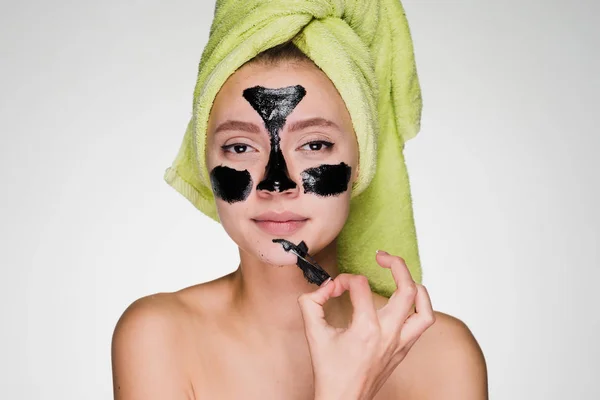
point(280, 228)
point(280, 224)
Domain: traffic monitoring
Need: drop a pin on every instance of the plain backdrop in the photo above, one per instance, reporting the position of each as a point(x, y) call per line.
point(95, 97)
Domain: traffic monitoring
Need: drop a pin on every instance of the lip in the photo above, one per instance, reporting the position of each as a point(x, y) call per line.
point(280, 224)
point(279, 217)
point(280, 228)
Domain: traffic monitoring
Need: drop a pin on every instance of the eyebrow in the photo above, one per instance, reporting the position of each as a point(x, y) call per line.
point(307, 123)
point(233, 125)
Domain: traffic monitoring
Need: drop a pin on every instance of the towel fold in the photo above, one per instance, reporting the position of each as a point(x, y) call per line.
point(365, 48)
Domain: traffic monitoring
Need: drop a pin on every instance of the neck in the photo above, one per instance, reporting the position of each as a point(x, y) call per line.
point(266, 295)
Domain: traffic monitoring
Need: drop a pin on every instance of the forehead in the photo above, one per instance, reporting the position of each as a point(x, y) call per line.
point(321, 99)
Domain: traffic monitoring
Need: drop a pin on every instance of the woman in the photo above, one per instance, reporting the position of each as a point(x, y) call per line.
point(286, 163)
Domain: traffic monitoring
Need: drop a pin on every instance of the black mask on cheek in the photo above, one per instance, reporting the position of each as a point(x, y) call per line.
point(231, 185)
point(326, 179)
point(274, 105)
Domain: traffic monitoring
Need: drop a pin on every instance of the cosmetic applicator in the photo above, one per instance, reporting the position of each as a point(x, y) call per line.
point(313, 272)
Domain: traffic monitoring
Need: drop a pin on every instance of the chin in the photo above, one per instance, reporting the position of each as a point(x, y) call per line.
point(269, 252)
point(273, 253)
point(279, 259)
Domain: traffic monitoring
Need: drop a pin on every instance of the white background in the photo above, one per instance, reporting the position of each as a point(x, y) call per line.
point(95, 97)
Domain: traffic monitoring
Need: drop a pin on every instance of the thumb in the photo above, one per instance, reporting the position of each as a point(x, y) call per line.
point(311, 305)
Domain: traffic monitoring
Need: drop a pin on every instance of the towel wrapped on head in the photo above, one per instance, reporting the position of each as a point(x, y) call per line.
point(365, 48)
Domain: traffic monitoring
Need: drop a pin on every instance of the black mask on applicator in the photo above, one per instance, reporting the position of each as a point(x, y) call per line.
point(313, 272)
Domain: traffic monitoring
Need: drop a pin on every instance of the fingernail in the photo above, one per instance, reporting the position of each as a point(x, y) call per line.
point(326, 282)
point(382, 252)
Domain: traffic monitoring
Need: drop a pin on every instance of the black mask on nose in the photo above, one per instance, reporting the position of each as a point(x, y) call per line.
point(274, 105)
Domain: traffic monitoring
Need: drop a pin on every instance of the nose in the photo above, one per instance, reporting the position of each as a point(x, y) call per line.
point(276, 181)
point(286, 193)
point(277, 178)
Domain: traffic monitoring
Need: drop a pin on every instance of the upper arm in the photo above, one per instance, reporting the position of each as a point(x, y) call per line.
point(147, 358)
point(457, 369)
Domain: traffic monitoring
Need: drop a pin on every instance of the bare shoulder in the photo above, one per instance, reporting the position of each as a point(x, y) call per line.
point(148, 349)
point(169, 315)
point(157, 311)
point(150, 317)
point(448, 362)
point(157, 337)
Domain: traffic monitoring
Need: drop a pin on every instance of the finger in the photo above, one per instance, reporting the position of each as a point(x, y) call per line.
point(360, 296)
point(422, 319)
point(400, 302)
point(311, 306)
point(398, 266)
point(403, 351)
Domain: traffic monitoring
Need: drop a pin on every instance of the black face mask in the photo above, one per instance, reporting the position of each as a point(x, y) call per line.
point(274, 106)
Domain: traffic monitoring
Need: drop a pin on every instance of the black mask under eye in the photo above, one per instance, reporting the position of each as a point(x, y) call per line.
point(326, 180)
point(230, 184)
point(274, 106)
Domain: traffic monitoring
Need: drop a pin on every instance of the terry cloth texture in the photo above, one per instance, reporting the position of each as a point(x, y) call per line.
point(366, 50)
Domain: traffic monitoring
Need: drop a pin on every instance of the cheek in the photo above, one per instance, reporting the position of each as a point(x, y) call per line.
point(327, 180)
point(230, 184)
point(233, 218)
point(329, 215)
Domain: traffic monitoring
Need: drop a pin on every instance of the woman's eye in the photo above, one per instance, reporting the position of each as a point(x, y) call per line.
point(317, 145)
point(237, 148)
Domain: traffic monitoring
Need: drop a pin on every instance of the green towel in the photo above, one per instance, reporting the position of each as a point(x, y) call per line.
point(365, 48)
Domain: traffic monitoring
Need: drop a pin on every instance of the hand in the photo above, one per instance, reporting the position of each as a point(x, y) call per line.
point(354, 363)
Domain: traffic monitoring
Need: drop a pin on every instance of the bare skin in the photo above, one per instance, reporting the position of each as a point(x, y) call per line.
point(243, 335)
point(199, 344)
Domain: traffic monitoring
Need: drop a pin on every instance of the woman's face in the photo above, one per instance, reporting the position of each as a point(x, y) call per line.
point(282, 156)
